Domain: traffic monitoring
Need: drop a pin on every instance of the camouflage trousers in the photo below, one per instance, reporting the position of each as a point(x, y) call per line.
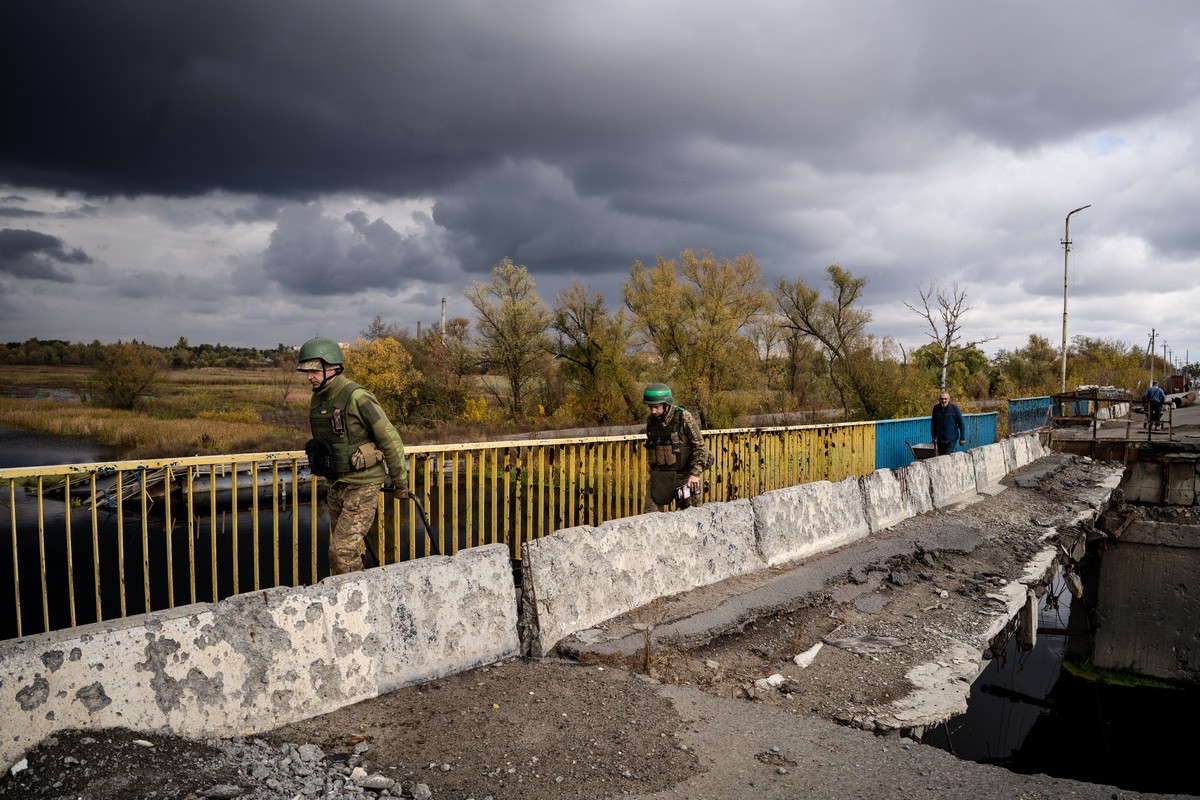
point(679, 503)
point(352, 512)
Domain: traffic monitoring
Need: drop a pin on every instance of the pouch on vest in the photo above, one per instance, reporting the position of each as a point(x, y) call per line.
point(662, 487)
point(320, 458)
point(664, 455)
point(367, 455)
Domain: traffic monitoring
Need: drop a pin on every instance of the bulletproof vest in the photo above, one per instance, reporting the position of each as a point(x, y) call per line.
point(327, 416)
point(667, 447)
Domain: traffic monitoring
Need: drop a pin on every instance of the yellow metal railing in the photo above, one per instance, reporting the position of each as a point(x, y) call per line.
point(89, 542)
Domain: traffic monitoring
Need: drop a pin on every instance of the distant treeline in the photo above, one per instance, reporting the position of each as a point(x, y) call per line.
point(60, 352)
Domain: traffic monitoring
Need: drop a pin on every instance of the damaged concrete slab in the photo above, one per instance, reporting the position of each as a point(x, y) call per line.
point(935, 592)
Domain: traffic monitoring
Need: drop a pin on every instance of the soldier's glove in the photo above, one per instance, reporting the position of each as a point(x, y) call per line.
point(367, 455)
point(401, 492)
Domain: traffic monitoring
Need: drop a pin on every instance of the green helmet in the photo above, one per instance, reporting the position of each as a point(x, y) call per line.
point(657, 393)
point(319, 352)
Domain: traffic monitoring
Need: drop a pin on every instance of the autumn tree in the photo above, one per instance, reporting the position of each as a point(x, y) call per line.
point(838, 325)
point(129, 371)
point(511, 327)
point(379, 329)
point(890, 386)
point(943, 309)
point(1104, 362)
point(692, 312)
point(803, 366)
point(593, 350)
point(966, 370)
point(448, 363)
point(385, 369)
point(1030, 370)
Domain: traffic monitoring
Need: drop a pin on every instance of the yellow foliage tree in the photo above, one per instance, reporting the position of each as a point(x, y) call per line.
point(693, 313)
point(384, 368)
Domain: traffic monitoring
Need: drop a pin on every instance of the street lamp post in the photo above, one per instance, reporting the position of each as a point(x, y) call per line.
point(1066, 243)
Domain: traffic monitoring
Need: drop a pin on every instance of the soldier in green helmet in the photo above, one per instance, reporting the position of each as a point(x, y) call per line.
point(354, 447)
point(675, 452)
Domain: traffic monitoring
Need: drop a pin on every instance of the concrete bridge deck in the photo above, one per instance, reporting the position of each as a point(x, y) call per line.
point(898, 625)
point(903, 619)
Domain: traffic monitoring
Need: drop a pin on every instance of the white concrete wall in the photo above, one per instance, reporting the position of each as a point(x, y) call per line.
point(885, 501)
point(580, 577)
point(990, 465)
point(256, 661)
point(917, 481)
point(584, 575)
point(952, 478)
point(800, 521)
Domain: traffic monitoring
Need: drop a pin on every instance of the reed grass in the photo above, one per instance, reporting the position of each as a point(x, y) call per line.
point(143, 436)
point(204, 411)
point(194, 412)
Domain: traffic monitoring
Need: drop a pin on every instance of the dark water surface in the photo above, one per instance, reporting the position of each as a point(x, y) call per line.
point(27, 449)
point(1030, 714)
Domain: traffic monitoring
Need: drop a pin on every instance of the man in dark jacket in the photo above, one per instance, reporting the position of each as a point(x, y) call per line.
point(1154, 399)
point(946, 426)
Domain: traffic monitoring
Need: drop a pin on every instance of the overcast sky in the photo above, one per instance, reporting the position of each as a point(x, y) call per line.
point(250, 173)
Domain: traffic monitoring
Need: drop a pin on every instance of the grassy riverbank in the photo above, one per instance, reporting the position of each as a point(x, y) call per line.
point(204, 411)
point(193, 412)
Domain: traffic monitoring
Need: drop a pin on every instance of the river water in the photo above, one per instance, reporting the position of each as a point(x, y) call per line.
point(1030, 711)
point(133, 565)
point(27, 449)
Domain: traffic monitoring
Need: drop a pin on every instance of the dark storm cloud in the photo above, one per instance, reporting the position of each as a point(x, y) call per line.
point(899, 139)
point(296, 97)
point(312, 253)
point(33, 255)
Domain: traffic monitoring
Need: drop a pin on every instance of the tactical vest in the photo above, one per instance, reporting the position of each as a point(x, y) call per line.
point(327, 416)
point(667, 447)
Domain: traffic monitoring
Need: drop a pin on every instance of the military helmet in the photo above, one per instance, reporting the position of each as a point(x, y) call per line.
point(318, 353)
point(657, 393)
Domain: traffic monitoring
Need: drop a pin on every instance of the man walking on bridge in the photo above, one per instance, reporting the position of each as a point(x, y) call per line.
point(946, 426)
point(1154, 399)
point(675, 452)
point(354, 447)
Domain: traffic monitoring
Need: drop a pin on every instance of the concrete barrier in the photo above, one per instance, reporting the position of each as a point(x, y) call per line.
point(581, 576)
point(1023, 449)
point(990, 465)
point(256, 661)
point(951, 478)
point(917, 482)
point(885, 502)
point(803, 520)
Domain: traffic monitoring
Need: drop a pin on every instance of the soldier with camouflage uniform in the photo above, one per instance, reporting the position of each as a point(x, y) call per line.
point(354, 447)
point(675, 452)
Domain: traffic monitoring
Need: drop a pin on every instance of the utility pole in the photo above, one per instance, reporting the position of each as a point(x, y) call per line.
point(1066, 243)
point(1151, 356)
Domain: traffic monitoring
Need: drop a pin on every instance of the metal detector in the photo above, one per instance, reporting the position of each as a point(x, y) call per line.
point(429, 532)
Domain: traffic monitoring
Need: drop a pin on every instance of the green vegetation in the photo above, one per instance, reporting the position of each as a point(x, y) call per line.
point(730, 347)
point(1090, 672)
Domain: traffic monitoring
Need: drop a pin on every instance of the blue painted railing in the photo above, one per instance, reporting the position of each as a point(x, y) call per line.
point(894, 437)
point(1028, 414)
